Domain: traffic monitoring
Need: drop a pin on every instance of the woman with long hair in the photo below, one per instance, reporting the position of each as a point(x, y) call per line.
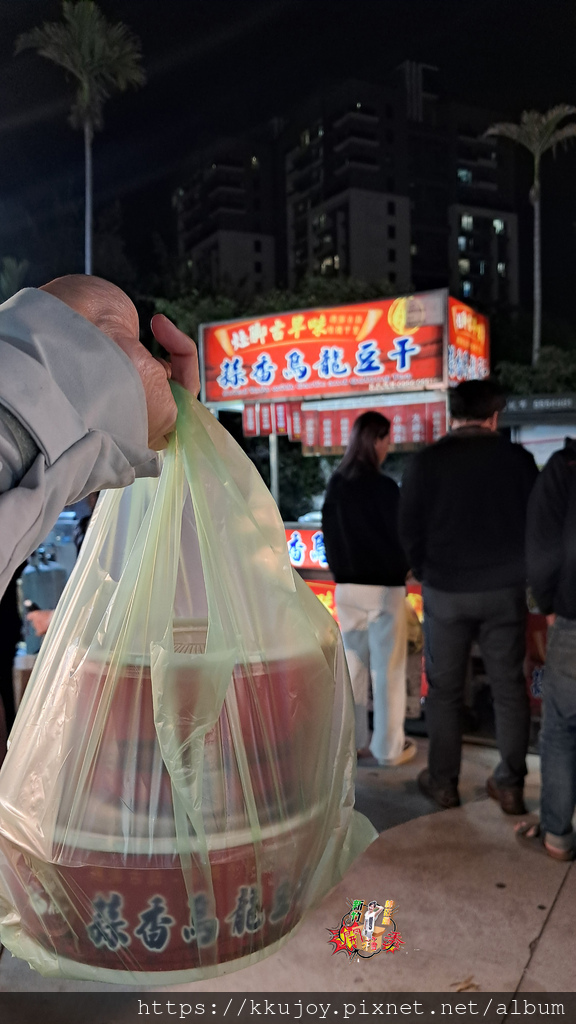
point(360, 524)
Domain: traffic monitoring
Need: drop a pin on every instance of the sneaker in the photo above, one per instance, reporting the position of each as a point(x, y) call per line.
point(408, 752)
point(444, 796)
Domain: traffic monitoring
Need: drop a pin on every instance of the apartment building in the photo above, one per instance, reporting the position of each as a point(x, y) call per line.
point(391, 183)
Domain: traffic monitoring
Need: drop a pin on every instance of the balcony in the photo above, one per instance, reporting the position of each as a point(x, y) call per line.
point(356, 163)
point(356, 138)
point(360, 116)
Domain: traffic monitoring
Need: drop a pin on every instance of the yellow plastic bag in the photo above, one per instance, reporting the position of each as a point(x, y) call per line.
point(179, 785)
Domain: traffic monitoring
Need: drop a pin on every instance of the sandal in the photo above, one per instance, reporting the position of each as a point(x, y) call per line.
point(530, 834)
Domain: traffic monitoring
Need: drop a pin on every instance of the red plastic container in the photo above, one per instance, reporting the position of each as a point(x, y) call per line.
point(127, 882)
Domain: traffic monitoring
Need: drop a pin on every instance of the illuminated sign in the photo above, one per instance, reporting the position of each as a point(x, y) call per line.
point(410, 424)
point(468, 343)
point(385, 345)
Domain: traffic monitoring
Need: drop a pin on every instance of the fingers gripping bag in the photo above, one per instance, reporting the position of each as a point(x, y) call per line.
point(178, 790)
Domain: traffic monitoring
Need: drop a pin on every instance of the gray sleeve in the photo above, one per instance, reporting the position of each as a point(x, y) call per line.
point(17, 450)
point(74, 419)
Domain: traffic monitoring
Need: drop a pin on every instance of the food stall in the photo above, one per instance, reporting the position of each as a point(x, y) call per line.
point(308, 374)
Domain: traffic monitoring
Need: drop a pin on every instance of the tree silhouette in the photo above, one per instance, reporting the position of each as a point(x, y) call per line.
point(102, 58)
point(537, 133)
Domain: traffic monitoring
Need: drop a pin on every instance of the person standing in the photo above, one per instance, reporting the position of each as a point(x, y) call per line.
point(360, 525)
point(462, 522)
point(551, 557)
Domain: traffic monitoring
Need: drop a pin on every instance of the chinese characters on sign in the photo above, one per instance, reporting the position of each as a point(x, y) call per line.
point(381, 345)
point(306, 548)
point(155, 927)
point(391, 344)
point(468, 352)
point(418, 423)
point(264, 418)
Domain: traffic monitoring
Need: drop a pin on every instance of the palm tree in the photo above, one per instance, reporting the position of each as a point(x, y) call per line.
point(538, 133)
point(103, 58)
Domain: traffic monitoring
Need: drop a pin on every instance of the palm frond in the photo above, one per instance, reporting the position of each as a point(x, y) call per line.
point(506, 130)
point(102, 57)
point(537, 132)
point(562, 136)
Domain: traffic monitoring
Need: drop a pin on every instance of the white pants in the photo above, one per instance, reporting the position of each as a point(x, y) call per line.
point(373, 625)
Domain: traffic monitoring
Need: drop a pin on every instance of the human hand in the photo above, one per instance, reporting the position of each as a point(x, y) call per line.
point(155, 374)
point(182, 350)
point(40, 620)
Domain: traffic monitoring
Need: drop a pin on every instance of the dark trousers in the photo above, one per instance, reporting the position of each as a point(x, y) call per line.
point(558, 735)
point(452, 621)
point(6, 686)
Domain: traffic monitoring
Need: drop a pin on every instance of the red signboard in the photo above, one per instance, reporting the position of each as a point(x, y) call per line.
point(266, 425)
point(469, 343)
point(390, 344)
point(325, 592)
point(250, 421)
point(294, 415)
point(306, 548)
point(413, 424)
point(280, 417)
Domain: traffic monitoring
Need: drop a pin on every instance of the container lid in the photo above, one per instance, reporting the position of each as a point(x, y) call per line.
point(225, 840)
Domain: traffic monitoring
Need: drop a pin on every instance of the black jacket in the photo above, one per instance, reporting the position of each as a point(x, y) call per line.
point(463, 511)
point(551, 535)
point(360, 525)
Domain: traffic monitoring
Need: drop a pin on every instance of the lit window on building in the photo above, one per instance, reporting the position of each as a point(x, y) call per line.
point(413, 249)
point(462, 240)
point(502, 269)
point(464, 176)
point(320, 131)
point(467, 222)
point(326, 264)
point(498, 226)
point(358, 106)
point(305, 137)
point(336, 263)
point(254, 161)
point(464, 266)
point(482, 266)
point(466, 289)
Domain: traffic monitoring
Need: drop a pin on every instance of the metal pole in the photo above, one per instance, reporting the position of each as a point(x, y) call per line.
point(274, 476)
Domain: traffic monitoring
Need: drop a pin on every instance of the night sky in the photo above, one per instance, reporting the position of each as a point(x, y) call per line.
point(217, 67)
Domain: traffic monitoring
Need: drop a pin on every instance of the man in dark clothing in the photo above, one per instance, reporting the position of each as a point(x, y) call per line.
point(462, 523)
point(551, 560)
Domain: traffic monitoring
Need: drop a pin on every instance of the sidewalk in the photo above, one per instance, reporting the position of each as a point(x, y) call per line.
point(476, 911)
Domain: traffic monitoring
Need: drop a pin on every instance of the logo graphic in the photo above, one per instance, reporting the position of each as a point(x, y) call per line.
point(406, 315)
point(359, 934)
